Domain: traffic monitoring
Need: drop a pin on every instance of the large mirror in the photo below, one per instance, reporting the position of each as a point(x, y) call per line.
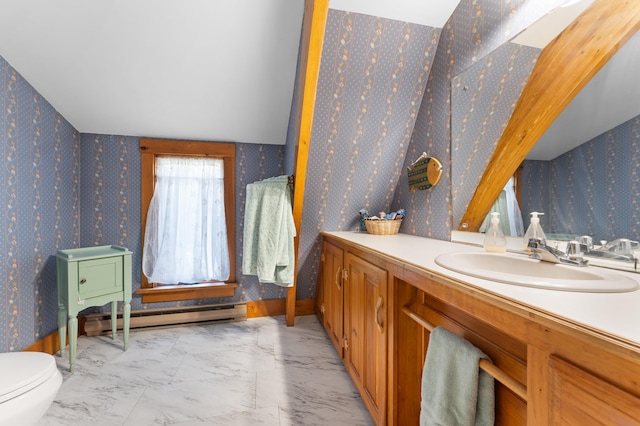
point(482, 101)
point(582, 170)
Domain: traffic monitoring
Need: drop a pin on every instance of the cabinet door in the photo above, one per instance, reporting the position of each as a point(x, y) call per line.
point(579, 398)
point(98, 277)
point(365, 331)
point(332, 308)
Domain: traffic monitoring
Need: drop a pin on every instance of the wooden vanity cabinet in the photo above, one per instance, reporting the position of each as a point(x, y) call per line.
point(331, 295)
point(365, 344)
point(572, 376)
point(411, 343)
point(352, 307)
point(577, 397)
point(560, 372)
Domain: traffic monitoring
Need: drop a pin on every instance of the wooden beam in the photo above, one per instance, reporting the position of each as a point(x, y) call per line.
point(315, 19)
point(276, 307)
point(564, 67)
point(171, 293)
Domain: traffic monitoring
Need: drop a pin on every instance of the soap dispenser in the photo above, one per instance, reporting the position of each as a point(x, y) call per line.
point(494, 240)
point(534, 230)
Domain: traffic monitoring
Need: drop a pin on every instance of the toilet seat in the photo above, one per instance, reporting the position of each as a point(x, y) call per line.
point(24, 371)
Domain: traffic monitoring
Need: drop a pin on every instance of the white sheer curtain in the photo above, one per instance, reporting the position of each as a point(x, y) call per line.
point(516, 224)
point(186, 234)
point(510, 214)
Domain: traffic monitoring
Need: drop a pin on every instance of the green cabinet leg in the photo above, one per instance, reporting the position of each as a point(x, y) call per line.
point(73, 341)
point(114, 319)
point(126, 319)
point(62, 328)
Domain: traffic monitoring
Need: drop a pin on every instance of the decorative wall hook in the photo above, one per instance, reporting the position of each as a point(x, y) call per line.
point(424, 173)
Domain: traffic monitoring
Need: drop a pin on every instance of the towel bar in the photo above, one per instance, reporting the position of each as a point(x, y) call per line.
point(485, 365)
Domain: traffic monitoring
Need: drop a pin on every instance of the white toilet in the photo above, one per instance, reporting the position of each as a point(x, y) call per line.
point(29, 381)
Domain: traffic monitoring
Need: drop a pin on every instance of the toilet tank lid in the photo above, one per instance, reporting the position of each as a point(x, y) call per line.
point(23, 371)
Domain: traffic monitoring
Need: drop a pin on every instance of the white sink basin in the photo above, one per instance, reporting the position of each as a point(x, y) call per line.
point(518, 269)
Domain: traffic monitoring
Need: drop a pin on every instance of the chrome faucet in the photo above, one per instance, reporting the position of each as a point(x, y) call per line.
point(620, 249)
point(540, 250)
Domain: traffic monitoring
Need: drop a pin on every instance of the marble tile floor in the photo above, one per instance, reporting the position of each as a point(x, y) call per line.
point(254, 372)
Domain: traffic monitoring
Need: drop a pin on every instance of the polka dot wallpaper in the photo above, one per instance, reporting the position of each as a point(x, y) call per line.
point(384, 98)
point(372, 78)
point(482, 99)
point(469, 45)
point(41, 209)
point(593, 189)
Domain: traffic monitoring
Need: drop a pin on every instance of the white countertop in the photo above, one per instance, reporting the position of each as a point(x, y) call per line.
point(616, 314)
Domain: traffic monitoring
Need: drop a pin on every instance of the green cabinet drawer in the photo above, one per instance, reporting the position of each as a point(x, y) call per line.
point(99, 276)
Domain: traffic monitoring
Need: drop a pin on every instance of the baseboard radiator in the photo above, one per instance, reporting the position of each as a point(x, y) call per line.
point(100, 323)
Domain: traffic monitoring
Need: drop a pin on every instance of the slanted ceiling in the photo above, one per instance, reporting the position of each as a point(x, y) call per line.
point(608, 100)
point(196, 69)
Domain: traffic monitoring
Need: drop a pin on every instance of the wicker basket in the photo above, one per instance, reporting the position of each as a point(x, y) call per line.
point(383, 226)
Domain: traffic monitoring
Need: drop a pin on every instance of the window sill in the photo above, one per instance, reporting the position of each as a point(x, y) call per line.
point(169, 293)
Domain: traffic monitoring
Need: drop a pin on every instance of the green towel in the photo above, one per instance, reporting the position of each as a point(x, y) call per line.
point(455, 392)
point(269, 230)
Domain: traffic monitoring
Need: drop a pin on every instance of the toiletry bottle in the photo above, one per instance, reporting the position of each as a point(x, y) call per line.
point(494, 240)
point(534, 230)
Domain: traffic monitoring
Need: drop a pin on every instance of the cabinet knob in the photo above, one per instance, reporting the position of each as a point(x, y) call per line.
point(82, 281)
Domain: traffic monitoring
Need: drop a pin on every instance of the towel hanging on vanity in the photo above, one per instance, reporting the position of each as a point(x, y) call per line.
point(455, 391)
point(269, 230)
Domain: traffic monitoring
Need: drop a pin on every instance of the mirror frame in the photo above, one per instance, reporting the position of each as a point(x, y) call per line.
point(563, 68)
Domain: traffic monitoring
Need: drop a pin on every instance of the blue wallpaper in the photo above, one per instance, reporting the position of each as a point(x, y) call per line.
point(472, 35)
point(41, 209)
point(372, 78)
point(482, 100)
point(110, 191)
point(593, 189)
point(371, 122)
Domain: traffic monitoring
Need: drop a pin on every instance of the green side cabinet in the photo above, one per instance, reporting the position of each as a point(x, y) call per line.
point(92, 276)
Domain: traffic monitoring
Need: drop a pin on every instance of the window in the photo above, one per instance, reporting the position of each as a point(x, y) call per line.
point(153, 149)
point(185, 239)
